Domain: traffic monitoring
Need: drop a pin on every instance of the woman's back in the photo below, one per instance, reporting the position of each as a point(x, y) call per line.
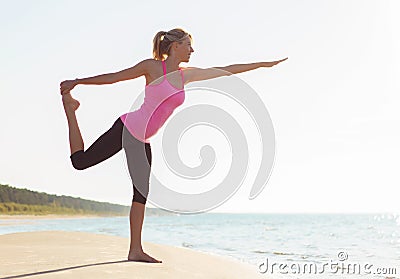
point(160, 100)
point(155, 74)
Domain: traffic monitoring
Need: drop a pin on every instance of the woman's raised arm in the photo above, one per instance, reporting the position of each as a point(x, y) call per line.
point(131, 73)
point(197, 74)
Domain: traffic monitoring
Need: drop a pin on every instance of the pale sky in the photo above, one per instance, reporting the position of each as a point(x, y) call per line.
point(334, 104)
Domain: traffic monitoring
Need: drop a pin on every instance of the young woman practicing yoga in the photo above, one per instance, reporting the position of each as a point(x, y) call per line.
point(161, 98)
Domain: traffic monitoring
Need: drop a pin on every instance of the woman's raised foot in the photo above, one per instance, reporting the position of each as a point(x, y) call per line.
point(69, 102)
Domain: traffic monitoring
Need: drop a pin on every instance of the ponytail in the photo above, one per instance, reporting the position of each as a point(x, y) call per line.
point(163, 40)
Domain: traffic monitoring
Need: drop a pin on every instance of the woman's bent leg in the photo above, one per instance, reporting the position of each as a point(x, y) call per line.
point(107, 145)
point(75, 137)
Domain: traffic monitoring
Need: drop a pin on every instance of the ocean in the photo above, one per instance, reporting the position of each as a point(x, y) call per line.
point(277, 245)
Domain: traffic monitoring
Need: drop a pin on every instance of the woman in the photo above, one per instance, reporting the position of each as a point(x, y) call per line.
point(161, 98)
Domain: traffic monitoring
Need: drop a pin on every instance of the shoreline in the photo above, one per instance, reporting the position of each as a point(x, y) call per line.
point(52, 216)
point(60, 254)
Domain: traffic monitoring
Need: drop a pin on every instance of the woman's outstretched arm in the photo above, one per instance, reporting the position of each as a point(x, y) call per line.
point(197, 74)
point(131, 73)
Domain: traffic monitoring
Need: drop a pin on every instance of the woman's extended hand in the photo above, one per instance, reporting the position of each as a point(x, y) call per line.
point(270, 64)
point(67, 85)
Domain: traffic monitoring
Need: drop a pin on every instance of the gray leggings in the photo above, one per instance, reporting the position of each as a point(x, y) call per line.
point(138, 155)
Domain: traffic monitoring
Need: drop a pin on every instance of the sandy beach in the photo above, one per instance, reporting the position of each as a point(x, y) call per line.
point(59, 254)
point(47, 217)
point(9, 220)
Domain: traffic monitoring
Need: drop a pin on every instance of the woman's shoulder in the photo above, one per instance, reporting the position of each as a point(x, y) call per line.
point(151, 65)
point(156, 63)
point(151, 61)
point(187, 69)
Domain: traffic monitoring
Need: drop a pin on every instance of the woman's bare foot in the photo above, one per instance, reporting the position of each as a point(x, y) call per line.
point(69, 102)
point(140, 256)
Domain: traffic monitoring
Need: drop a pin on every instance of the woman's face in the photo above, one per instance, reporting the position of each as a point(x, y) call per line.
point(183, 49)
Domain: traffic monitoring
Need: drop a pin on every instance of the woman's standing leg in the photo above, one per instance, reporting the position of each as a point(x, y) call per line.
point(139, 159)
point(136, 218)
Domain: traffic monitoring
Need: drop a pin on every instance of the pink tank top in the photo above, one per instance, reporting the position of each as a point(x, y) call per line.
point(160, 101)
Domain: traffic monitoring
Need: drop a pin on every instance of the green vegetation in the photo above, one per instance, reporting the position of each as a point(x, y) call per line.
point(15, 201)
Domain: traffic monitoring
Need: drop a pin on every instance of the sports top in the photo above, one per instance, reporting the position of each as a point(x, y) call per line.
point(160, 101)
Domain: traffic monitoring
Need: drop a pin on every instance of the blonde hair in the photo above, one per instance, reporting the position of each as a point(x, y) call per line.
point(163, 40)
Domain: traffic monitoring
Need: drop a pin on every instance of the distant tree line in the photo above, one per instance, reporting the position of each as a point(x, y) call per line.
point(23, 201)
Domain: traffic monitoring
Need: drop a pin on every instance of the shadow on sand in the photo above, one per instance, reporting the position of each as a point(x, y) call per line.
point(61, 269)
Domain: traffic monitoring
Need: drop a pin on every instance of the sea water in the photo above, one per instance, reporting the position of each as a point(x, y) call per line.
point(277, 245)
